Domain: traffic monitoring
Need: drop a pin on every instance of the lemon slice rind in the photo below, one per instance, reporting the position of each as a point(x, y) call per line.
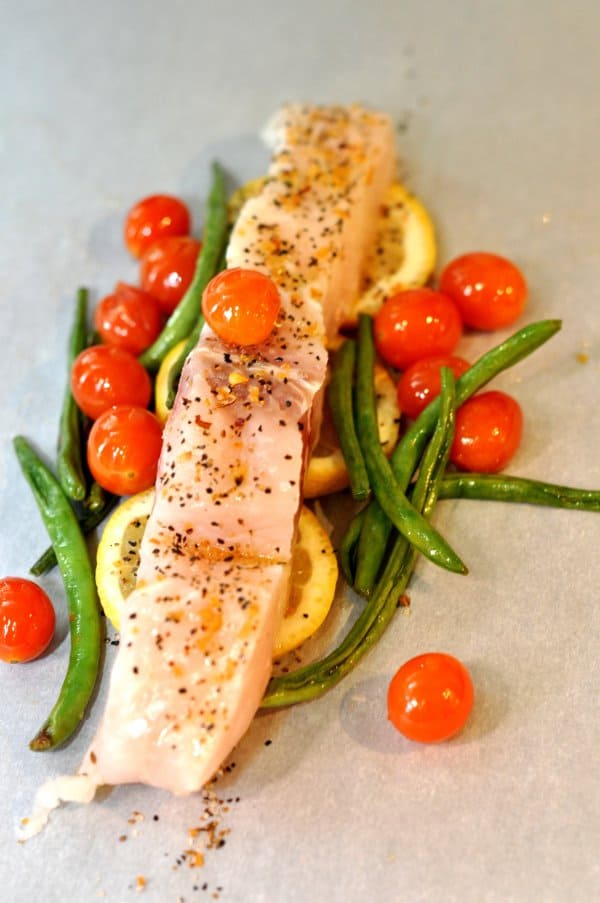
point(161, 386)
point(118, 553)
point(314, 570)
point(405, 251)
point(314, 580)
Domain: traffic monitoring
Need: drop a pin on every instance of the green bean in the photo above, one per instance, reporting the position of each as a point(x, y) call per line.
point(175, 372)
point(88, 519)
point(185, 316)
point(367, 556)
point(84, 615)
point(69, 463)
point(315, 679)
point(388, 493)
point(506, 488)
point(340, 394)
point(405, 456)
point(347, 550)
point(96, 498)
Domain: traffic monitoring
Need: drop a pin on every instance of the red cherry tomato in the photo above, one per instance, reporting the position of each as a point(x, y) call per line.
point(26, 620)
point(157, 216)
point(103, 376)
point(421, 383)
point(123, 449)
point(129, 318)
point(430, 697)
point(488, 432)
point(241, 306)
point(167, 269)
point(414, 324)
point(489, 291)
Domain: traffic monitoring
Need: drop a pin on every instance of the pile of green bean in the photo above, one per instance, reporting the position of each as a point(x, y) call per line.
point(381, 545)
point(72, 505)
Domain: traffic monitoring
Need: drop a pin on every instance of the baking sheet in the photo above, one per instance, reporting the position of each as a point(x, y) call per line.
point(499, 130)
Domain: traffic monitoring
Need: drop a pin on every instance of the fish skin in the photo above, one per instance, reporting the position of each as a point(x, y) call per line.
point(197, 633)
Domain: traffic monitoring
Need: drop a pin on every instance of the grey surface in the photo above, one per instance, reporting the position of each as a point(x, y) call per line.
point(104, 103)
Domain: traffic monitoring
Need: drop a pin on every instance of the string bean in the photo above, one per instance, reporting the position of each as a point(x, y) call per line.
point(84, 616)
point(69, 462)
point(185, 316)
point(347, 550)
point(88, 519)
point(506, 488)
point(386, 489)
point(174, 373)
point(405, 457)
point(340, 396)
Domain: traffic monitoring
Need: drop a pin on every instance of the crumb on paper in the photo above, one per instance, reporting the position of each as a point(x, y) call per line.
point(140, 883)
point(194, 858)
point(208, 833)
point(582, 357)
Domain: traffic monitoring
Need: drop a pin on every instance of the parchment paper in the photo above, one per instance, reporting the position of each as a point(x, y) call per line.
point(499, 131)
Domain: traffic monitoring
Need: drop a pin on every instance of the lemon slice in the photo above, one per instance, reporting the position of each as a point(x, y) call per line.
point(161, 386)
point(326, 471)
point(118, 553)
point(314, 570)
point(314, 578)
point(404, 251)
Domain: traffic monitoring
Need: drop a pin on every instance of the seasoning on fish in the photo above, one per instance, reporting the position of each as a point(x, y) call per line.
point(198, 630)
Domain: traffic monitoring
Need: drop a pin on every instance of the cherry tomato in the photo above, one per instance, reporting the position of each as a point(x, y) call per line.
point(414, 324)
point(129, 318)
point(26, 620)
point(421, 383)
point(103, 376)
point(489, 291)
point(157, 216)
point(241, 306)
point(167, 269)
point(430, 697)
point(488, 432)
point(123, 449)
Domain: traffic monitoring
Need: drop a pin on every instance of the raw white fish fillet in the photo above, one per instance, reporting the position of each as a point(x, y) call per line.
point(197, 632)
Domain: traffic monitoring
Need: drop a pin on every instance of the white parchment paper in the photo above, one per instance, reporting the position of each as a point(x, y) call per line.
point(499, 131)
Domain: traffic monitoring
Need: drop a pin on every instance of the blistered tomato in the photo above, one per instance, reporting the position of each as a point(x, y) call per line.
point(415, 324)
point(103, 376)
point(430, 697)
point(241, 306)
point(421, 382)
point(26, 620)
point(154, 217)
point(123, 449)
point(489, 290)
point(167, 269)
point(487, 433)
point(129, 318)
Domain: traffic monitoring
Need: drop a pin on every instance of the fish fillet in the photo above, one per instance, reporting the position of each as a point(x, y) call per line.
point(197, 632)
